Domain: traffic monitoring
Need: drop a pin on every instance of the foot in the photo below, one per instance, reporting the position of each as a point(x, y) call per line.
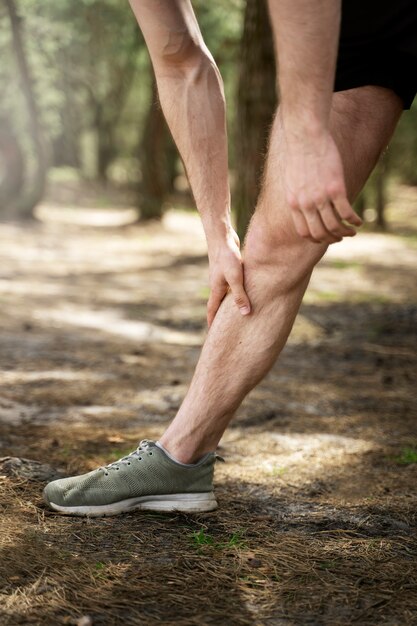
point(146, 479)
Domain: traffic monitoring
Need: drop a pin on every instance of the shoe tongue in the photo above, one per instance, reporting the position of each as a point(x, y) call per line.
point(146, 443)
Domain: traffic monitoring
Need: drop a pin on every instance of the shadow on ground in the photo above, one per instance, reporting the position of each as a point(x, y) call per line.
point(263, 558)
point(100, 332)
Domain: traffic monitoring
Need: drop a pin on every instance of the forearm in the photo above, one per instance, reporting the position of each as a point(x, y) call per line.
point(193, 103)
point(306, 37)
point(192, 99)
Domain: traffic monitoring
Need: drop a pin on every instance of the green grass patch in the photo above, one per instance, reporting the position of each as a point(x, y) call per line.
point(328, 296)
point(66, 451)
point(328, 565)
point(115, 455)
point(376, 298)
point(204, 293)
point(344, 265)
point(99, 566)
point(201, 538)
point(99, 570)
point(408, 456)
point(278, 471)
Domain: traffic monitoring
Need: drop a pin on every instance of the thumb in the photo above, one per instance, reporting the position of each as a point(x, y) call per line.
point(240, 297)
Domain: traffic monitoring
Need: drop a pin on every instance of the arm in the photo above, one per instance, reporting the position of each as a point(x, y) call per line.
point(191, 95)
point(306, 37)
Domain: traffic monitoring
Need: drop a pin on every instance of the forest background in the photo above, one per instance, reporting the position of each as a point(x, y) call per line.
point(79, 103)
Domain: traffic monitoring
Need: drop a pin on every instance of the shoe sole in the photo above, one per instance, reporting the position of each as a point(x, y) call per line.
point(181, 502)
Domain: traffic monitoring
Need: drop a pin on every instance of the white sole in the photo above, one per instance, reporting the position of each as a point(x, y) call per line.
point(182, 502)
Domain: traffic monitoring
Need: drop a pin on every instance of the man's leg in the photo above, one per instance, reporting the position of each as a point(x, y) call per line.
point(238, 351)
point(278, 263)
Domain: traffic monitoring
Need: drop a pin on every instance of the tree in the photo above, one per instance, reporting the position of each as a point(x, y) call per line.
point(154, 162)
point(85, 69)
point(403, 147)
point(256, 105)
point(112, 66)
point(381, 173)
point(12, 164)
point(24, 204)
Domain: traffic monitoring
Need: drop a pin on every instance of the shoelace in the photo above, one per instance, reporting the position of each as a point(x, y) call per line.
point(125, 460)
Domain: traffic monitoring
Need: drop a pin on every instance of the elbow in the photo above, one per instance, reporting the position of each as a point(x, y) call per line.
point(183, 54)
point(181, 47)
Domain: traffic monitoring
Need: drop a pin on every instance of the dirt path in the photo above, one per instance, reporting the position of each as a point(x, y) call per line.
point(100, 329)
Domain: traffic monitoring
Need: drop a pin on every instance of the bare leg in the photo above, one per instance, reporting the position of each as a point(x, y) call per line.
point(239, 351)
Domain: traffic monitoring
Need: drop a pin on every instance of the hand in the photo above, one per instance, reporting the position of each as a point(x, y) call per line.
point(226, 273)
point(315, 186)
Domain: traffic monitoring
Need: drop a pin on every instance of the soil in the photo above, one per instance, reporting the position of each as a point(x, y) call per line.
point(101, 323)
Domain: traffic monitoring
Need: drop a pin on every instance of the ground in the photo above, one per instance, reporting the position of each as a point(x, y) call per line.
point(101, 325)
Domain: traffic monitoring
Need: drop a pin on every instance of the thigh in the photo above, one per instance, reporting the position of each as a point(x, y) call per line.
point(362, 122)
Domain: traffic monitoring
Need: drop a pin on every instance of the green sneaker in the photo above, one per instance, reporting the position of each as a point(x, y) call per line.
point(147, 479)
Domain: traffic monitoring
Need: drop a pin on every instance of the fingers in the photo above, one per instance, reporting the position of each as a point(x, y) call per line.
point(334, 224)
point(310, 225)
point(344, 209)
point(318, 229)
point(217, 294)
point(219, 291)
point(322, 223)
point(239, 294)
point(300, 224)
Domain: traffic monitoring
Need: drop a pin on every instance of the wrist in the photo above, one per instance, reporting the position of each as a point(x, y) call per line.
point(303, 123)
point(217, 229)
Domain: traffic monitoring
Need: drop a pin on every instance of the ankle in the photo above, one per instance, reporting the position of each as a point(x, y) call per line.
point(182, 453)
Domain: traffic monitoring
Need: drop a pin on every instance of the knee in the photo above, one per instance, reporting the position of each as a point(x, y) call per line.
point(287, 258)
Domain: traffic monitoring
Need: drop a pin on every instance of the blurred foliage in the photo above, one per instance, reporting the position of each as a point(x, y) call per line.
point(91, 73)
point(256, 105)
point(93, 86)
point(403, 148)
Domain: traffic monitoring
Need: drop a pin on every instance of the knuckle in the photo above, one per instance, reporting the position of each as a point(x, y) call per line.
point(240, 300)
point(335, 188)
point(319, 199)
point(293, 202)
point(308, 206)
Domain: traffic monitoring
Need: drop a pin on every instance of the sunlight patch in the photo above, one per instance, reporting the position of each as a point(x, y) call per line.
point(110, 322)
point(83, 216)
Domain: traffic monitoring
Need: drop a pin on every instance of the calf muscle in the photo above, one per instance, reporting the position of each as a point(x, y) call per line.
point(238, 351)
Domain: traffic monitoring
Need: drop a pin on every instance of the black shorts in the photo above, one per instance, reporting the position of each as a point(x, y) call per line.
point(378, 46)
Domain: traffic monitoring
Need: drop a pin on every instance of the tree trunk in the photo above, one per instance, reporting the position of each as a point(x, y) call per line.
point(360, 204)
point(257, 102)
point(66, 147)
point(380, 195)
point(24, 206)
point(12, 165)
point(154, 167)
point(105, 142)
